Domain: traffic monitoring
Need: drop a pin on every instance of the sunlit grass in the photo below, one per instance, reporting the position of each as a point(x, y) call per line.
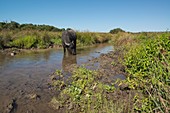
point(43, 39)
point(147, 64)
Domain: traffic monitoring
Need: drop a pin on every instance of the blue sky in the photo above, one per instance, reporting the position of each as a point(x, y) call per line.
point(90, 15)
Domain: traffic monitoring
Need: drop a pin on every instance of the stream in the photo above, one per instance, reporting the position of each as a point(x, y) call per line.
point(26, 74)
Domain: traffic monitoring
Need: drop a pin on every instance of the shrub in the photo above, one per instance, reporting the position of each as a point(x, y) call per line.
point(90, 38)
point(117, 30)
point(56, 41)
point(12, 25)
point(85, 38)
point(44, 41)
point(25, 42)
point(148, 65)
point(29, 41)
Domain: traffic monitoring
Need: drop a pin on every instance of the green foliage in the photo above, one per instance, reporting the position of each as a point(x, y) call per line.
point(117, 30)
point(148, 65)
point(90, 38)
point(80, 84)
point(44, 41)
point(109, 88)
point(29, 39)
point(85, 38)
point(113, 63)
point(12, 25)
point(85, 93)
point(59, 73)
point(9, 26)
point(26, 42)
point(4, 41)
point(56, 41)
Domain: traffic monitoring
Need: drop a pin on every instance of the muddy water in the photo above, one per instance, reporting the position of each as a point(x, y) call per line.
point(23, 78)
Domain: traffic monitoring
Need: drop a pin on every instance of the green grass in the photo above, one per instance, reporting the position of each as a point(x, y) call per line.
point(29, 39)
point(43, 39)
point(85, 93)
point(91, 38)
point(26, 42)
point(148, 66)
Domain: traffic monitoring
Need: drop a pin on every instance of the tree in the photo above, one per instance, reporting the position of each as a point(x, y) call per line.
point(12, 25)
point(117, 30)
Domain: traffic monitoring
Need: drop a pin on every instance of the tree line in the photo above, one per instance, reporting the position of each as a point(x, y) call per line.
point(12, 25)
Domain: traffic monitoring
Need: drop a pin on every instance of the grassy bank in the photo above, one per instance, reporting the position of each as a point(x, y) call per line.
point(147, 63)
point(148, 66)
point(27, 39)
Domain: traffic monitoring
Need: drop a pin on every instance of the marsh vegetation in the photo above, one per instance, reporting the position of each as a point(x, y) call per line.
point(143, 58)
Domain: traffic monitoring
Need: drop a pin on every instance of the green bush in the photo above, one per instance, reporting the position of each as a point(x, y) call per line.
point(90, 38)
point(148, 65)
point(85, 38)
point(5, 40)
point(44, 41)
point(56, 41)
point(26, 42)
point(12, 25)
point(117, 30)
point(29, 41)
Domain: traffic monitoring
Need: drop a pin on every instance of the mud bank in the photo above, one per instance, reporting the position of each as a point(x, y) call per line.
point(109, 69)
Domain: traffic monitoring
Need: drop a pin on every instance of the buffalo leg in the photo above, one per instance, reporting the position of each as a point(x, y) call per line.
point(64, 49)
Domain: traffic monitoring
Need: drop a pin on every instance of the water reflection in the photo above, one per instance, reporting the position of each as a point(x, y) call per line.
point(41, 63)
point(67, 62)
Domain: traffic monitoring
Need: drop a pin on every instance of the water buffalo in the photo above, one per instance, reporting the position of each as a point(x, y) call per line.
point(69, 41)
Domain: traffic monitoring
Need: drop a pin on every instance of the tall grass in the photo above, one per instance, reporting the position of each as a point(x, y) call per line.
point(148, 66)
point(29, 39)
point(24, 42)
point(90, 38)
point(44, 39)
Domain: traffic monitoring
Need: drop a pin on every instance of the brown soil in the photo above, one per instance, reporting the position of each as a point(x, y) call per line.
point(110, 70)
point(28, 99)
point(35, 99)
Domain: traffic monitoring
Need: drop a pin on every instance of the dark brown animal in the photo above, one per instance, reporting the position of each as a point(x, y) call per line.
point(69, 41)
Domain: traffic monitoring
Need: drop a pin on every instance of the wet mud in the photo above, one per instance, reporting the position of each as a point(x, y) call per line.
point(24, 78)
point(110, 70)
